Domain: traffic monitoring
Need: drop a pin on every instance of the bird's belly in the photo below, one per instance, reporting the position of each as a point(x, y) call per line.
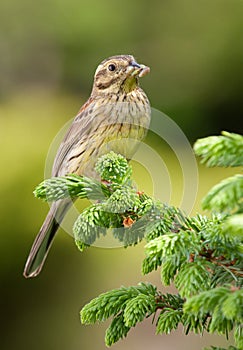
point(119, 138)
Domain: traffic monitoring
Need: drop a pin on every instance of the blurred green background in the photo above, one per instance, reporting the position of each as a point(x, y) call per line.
point(48, 53)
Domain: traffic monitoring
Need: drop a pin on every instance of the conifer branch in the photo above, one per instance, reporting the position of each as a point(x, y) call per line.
point(226, 196)
point(224, 150)
point(71, 186)
point(201, 255)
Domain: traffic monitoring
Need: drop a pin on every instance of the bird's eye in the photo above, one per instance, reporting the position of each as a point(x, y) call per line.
point(112, 67)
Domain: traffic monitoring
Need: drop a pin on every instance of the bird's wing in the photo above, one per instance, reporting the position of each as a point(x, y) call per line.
point(78, 132)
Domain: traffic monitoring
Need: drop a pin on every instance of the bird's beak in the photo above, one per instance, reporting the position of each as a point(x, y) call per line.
point(138, 69)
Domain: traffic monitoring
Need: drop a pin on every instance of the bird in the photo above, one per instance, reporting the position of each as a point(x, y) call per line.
point(116, 118)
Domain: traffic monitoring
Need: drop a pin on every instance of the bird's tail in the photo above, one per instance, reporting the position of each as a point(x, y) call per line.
point(44, 239)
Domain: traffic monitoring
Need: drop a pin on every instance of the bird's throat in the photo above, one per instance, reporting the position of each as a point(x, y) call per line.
point(130, 84)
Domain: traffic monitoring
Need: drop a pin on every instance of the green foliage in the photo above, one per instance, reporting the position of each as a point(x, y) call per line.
point(122, 200)
point(223, 305)
point(193, 277)
point(168, 321)
point(234, 225)
point(119, 204)
point(113, 168)
point(90, 224)
point(201, 255)
point(128, 306)
point(226, 196)
point(71, 186)
point(116, 331)
point(176, 246)
point(219, 348)
point(171, 313)
point(225, 150)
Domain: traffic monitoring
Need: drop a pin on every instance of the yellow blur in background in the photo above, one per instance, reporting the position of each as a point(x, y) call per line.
point(48, 54)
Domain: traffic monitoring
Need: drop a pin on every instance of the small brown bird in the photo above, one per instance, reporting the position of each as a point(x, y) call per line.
point(115, 117)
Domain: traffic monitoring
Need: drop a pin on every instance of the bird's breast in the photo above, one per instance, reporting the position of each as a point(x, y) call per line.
point(119, 123)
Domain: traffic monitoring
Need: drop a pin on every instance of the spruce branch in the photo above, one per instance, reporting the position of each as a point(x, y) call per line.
point(224, 306)
point(128, 306)
point(193, 277)
point(168, 321)
point(226, 196)
point(90, 225)
point(114, 168)
point(224, 150)
point(117, 330)
point(171, 314)
point(234, 225)
point(202, 255)
point(238, 335)
point(71, 186)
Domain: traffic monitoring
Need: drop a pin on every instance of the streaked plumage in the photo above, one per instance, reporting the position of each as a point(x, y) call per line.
point(115, 117)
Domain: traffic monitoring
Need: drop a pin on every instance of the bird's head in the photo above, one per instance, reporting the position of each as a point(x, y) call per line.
point(118, 74)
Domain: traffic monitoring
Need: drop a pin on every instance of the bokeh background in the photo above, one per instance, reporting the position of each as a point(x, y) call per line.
point(48, 53)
